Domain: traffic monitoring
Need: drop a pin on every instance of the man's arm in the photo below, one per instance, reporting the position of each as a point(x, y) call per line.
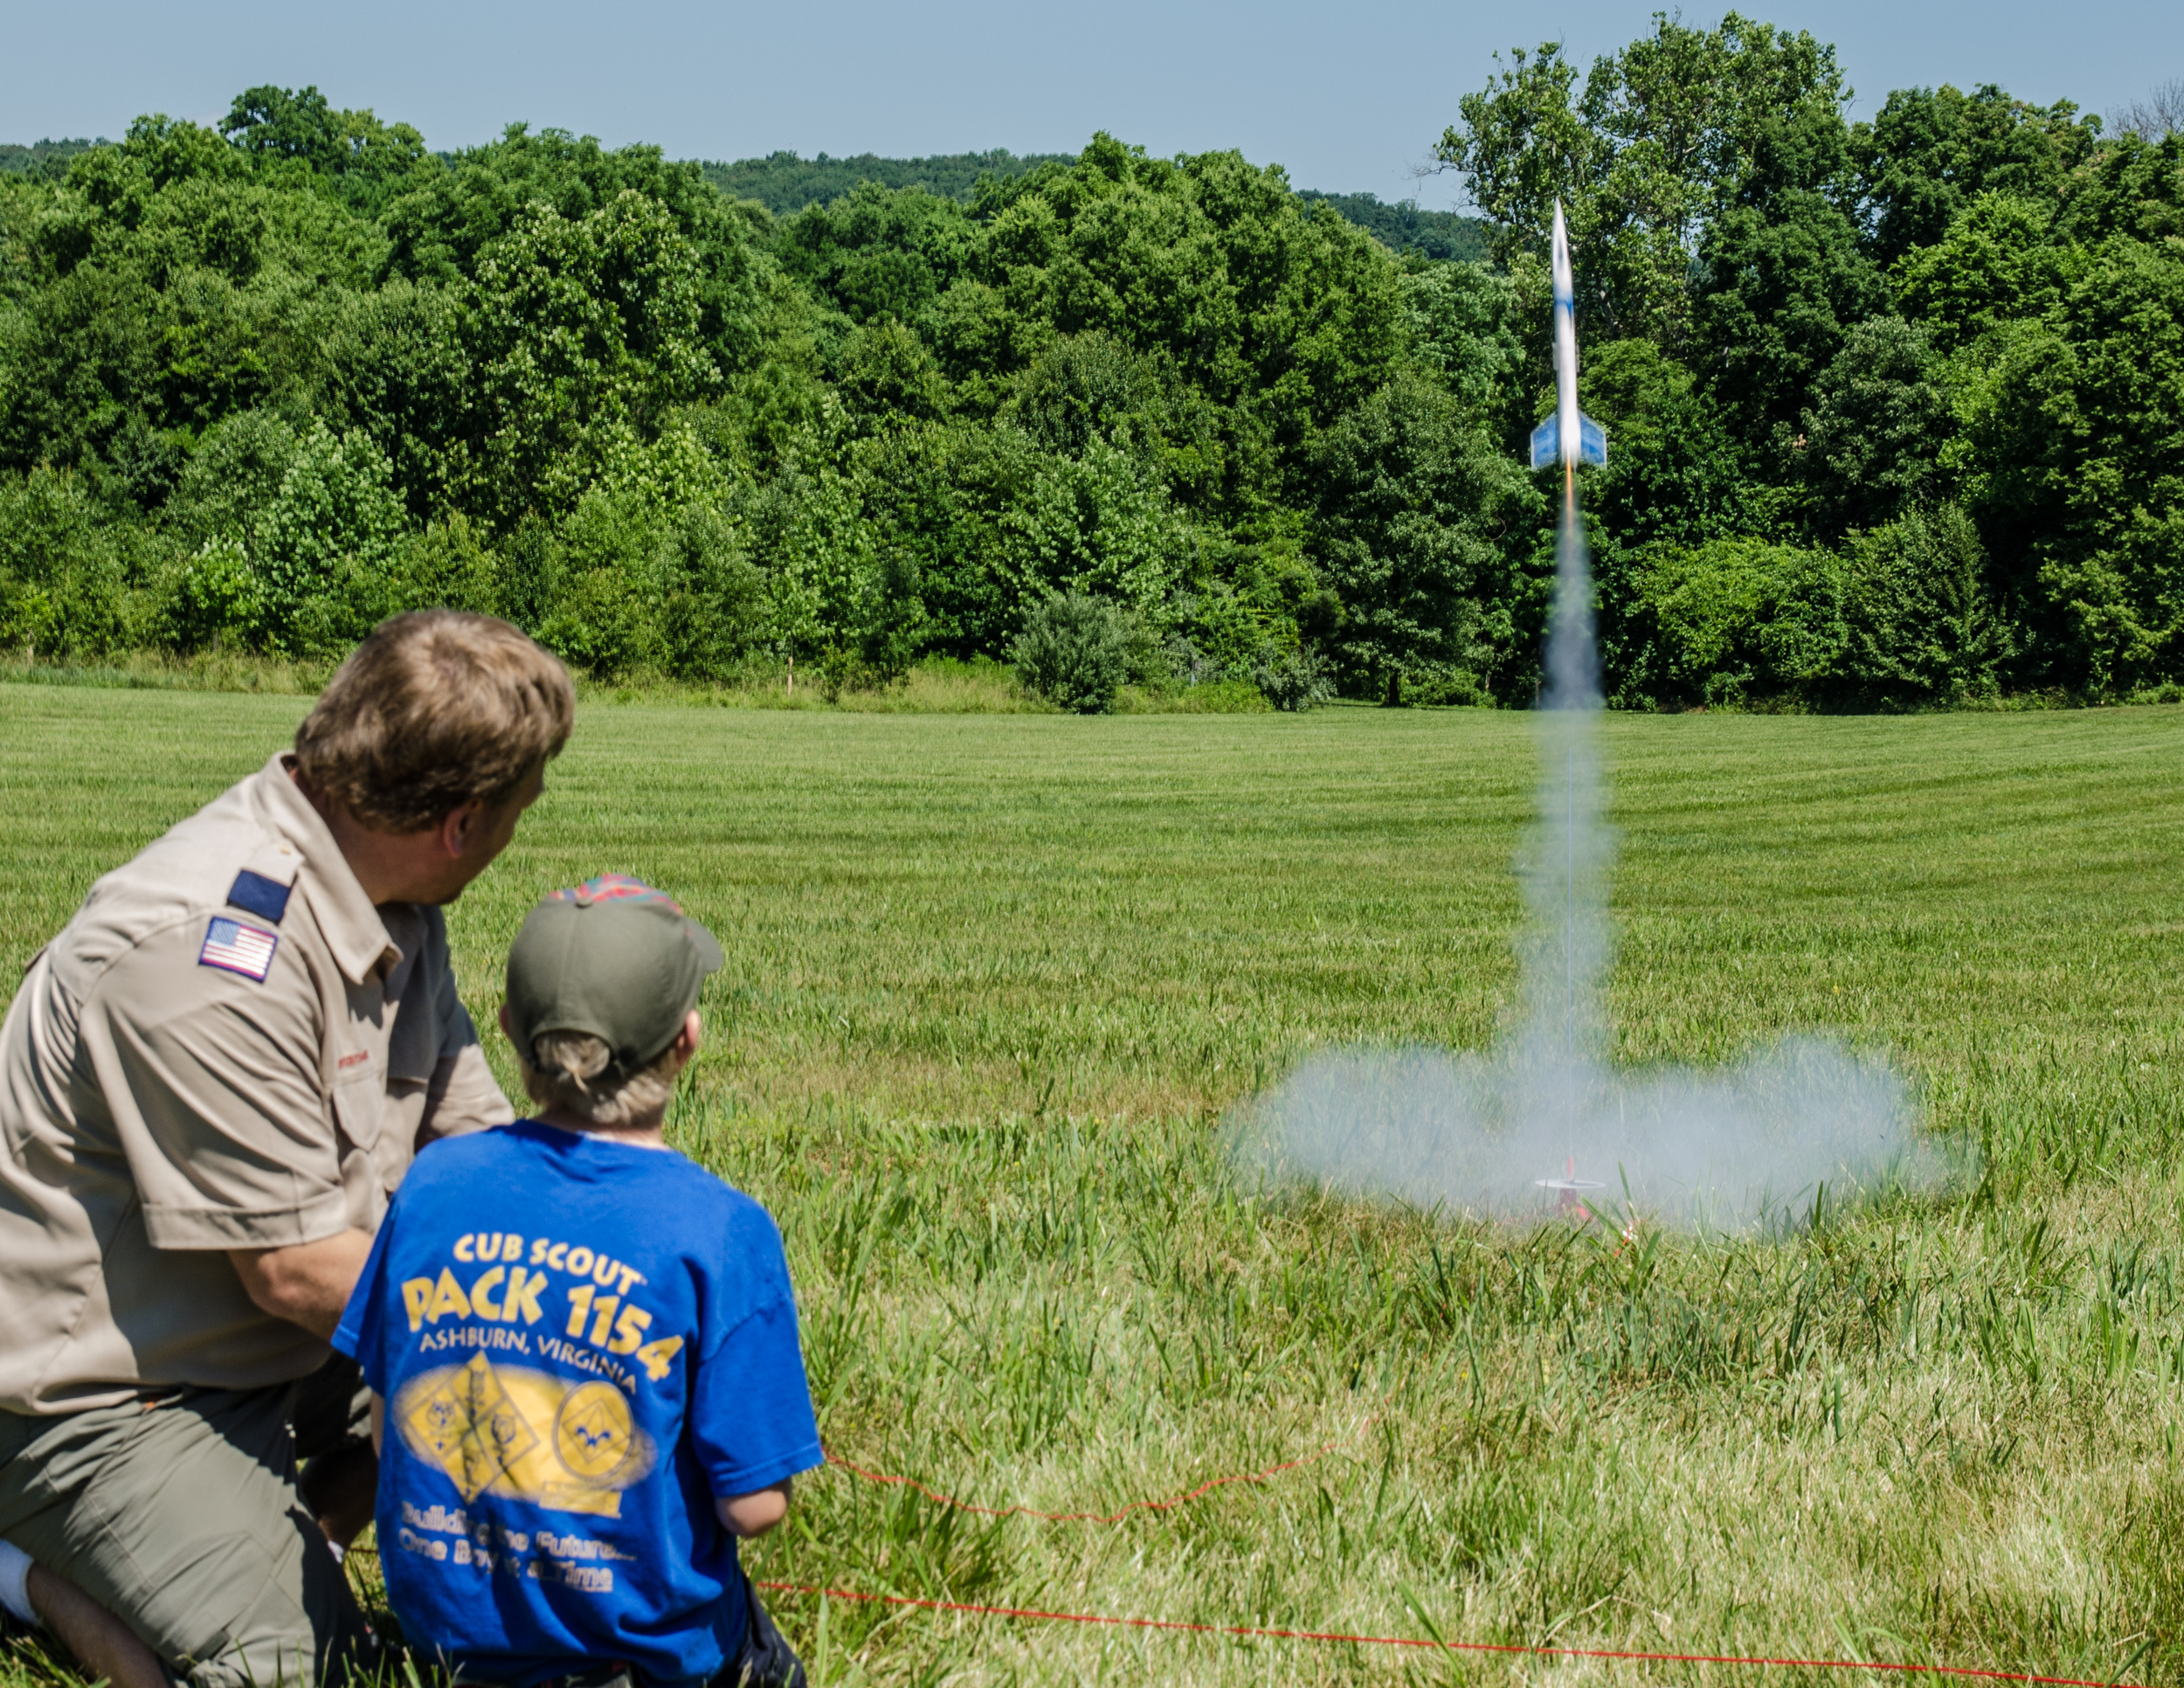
point(463, 1095)
point(308, 1284)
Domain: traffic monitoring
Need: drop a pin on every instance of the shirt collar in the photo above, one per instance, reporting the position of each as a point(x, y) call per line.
point(352, 927)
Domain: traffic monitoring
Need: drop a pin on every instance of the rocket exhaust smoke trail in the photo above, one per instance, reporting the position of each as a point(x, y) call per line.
point(1542, 1122)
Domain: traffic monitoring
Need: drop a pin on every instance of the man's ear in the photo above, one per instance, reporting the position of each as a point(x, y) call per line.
point(456, 827)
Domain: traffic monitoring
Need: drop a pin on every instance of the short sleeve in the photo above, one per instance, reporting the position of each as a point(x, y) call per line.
point(364, 1320)
point(464, 1097)
point(750, 1409)
point(213, 1080)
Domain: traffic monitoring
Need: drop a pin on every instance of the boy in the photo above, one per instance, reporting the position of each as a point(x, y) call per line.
point(582, 1346)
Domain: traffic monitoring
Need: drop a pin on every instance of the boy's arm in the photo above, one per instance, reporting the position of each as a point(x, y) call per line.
point(748, 1516)
point(378, 1423)
point(751, 1420)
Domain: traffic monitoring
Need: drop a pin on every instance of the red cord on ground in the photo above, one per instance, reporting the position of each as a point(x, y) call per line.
point(1254, 1632)
point(939, 1500)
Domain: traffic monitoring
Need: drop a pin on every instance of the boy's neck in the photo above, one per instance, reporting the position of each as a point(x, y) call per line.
point(643, 1133)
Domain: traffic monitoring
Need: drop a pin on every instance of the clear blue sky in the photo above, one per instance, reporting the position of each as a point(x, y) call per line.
point(1347, 97)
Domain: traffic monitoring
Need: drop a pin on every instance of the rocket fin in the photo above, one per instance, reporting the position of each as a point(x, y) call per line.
point(1545, 444)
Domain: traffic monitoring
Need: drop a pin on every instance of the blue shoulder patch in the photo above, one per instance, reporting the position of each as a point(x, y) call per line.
point(254, 893)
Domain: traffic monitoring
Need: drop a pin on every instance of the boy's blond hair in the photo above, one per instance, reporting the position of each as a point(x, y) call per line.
point(560, 1068)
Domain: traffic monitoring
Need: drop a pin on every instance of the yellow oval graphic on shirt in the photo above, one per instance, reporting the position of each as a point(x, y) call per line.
point(529, 1435)
point(592, 1432)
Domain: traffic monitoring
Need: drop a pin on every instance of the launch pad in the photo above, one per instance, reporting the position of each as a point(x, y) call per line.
point(1569, 1190)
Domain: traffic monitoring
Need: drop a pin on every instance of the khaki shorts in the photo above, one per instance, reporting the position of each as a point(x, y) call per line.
point(179, 1512)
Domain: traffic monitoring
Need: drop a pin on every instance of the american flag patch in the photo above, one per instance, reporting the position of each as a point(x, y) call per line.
point(237, 948)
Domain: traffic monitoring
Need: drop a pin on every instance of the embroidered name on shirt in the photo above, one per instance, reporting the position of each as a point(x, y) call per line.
point(235, 948)
point(358, 1059)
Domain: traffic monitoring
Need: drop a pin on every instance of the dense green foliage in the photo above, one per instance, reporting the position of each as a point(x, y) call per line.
point(1895, 407)
point(1896, 404)
point(1074, 652)
point(992, 984)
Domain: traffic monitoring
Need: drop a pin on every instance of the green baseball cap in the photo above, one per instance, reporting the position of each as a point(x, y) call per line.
point(613, 958)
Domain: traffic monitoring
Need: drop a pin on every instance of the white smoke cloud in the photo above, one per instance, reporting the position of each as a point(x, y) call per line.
point(1755, 1144)
point(1751, 1145)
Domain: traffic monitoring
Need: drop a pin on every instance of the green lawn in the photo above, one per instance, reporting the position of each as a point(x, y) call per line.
point(993, 981)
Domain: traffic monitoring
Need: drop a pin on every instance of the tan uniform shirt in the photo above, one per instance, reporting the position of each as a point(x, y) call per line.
point(228, 1046)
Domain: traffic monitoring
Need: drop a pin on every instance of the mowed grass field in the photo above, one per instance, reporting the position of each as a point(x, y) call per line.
point(994, 983)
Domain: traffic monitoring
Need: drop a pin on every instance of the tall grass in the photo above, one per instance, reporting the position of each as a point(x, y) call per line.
point(993, 987)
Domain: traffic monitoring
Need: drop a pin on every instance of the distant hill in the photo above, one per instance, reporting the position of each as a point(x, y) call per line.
point(1402, 225)
point(47, 159)
point(785, 183)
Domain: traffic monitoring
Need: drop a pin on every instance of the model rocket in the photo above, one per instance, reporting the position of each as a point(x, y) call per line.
point(1569, 437)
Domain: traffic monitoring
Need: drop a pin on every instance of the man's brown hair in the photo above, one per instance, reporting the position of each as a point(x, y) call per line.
point(435, 709)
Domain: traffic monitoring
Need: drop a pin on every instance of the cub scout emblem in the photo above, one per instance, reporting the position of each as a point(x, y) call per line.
point(237, 948)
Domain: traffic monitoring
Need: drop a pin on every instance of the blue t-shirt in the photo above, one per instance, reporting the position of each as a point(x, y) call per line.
point(580, 1344)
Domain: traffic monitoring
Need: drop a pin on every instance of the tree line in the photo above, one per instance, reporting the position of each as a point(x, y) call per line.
point(785, 183)
point(1895, 407)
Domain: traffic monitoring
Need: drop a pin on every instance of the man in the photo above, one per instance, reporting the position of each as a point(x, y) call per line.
point(210, 1083)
